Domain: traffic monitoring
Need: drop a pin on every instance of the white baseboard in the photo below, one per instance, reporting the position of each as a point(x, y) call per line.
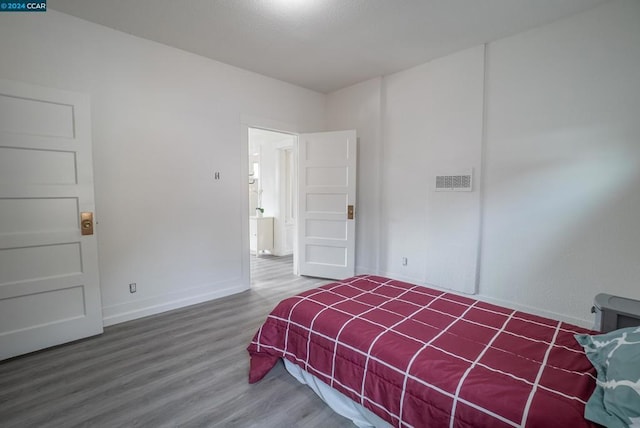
point(409, 279)
point(122, 312)
point(363, 270)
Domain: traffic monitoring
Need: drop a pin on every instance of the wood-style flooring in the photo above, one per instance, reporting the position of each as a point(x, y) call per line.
point(184, 368)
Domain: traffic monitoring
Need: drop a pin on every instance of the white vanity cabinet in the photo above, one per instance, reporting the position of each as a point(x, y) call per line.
point(260, 234)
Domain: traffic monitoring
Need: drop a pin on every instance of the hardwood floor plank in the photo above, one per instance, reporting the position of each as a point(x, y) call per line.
point(186, 368)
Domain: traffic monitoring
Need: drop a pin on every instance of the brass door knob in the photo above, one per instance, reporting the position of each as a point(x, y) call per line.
point(86, 223)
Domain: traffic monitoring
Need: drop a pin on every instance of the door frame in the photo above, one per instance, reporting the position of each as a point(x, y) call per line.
point(247, 122)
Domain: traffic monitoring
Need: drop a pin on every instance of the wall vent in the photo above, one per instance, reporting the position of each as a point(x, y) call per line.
point(454, 183)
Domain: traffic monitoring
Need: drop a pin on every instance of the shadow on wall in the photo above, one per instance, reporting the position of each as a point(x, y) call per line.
point(568, 223)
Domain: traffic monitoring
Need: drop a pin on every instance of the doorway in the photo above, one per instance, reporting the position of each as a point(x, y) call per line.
point(272, 197)
point(319, 171)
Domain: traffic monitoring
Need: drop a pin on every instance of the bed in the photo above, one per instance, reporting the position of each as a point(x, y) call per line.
point(412, 356)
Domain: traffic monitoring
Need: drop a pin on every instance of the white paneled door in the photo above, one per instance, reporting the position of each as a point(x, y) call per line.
point(326, 204)
point(49, 290)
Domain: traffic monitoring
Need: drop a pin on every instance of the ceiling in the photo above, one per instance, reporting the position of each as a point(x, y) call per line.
point(323, 45)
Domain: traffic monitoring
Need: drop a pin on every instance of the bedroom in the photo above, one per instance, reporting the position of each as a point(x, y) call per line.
point(558, 159)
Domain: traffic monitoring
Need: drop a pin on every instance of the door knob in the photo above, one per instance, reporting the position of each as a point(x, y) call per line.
point(86, 223)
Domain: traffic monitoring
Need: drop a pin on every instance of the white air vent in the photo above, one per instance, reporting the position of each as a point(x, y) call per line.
point(454, 183)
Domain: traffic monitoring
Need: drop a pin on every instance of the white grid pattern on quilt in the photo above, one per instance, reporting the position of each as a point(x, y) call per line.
point(407, 376)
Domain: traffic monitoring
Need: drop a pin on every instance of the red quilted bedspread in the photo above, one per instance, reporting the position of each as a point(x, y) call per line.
point(425, 358)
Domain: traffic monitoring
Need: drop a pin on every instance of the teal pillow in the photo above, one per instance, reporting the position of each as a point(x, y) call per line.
point(616, 357)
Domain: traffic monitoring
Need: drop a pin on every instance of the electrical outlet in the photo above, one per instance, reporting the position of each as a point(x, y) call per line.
point(405, 261)
point(132, 287)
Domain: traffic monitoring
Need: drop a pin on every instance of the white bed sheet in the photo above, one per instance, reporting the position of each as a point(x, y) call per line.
point(340, 403)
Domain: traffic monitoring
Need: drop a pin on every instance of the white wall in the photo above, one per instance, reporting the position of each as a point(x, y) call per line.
point(163, 121)
point(561, 150)
point(561, 162)
point(411, 126)
point(432, 126)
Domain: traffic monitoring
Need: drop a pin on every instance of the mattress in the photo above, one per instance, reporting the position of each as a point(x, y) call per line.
point(415, 356)
point(340, 403)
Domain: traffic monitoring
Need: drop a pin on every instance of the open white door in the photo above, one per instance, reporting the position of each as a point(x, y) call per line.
point(326, 204)
point(49, 290)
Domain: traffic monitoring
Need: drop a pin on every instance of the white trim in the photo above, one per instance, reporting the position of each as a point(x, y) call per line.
point(116, 314)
